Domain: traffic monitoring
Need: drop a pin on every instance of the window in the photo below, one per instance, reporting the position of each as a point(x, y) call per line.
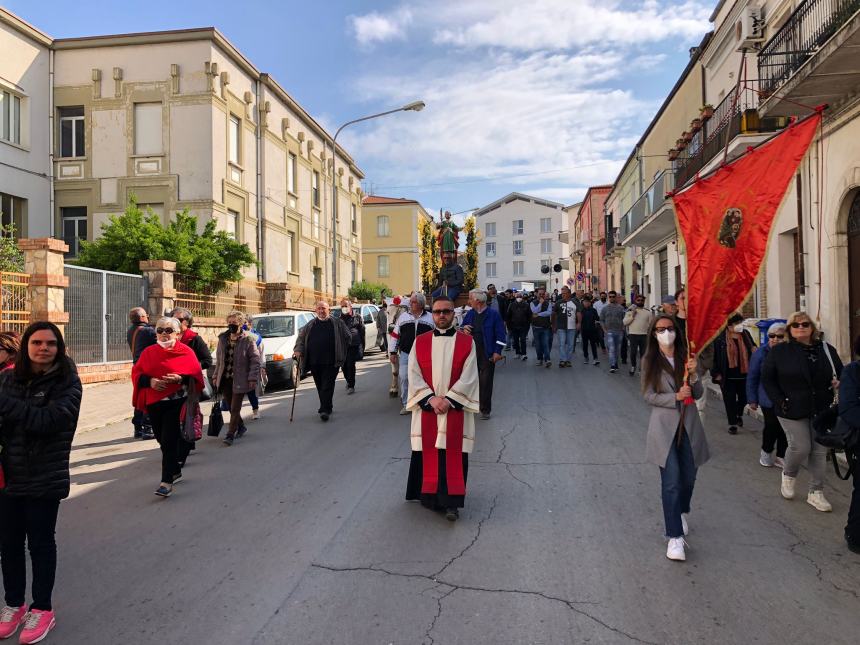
point(13, 213)
point(315, 188)
point(382, 226)
point(382, 268)
point(74, 226)
point(518, 227)
point(546, 224)
point(491, 269)
point(546, 245)
point(518, 247)
point(147, 128)
point(353, 272)
point(291, 239)
point(72, 132)
point(490, 229)
point(353, 218)
point(235, 143)
point(291, 173)
point(10, 117)
point(315, 224)
point(233, 224)
point(490, 249)
point(519, 268)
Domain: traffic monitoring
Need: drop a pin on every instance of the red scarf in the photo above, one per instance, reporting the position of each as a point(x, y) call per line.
point(156, 362)
point(454, 437)
point(187, 336)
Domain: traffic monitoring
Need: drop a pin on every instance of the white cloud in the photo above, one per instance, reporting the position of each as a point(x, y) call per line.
point(375, 27)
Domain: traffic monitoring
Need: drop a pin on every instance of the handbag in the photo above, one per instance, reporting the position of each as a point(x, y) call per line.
point(208, 390)
point(216, 419)
point(192, 425)
point(824, 422)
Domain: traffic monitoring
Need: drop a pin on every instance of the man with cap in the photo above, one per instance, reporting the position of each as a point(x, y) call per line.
point(669, 305)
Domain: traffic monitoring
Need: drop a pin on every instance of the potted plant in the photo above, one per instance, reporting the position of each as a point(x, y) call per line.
point(687, 136)
point(680, 144)
point(706, 111)
point(696, 125)
point(673, 154)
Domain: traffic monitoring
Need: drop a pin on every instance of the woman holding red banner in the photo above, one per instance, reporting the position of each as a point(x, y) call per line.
point(162, 378)
point(800, 377)
point(676, 438)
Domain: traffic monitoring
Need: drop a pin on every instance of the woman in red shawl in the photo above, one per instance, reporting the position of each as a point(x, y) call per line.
point(162, 377)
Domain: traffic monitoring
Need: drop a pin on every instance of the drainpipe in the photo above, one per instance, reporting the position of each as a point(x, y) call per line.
point(261, 252)
point(52, 216)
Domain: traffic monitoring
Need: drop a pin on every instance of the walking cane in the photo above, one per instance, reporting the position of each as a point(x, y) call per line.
point(296, 387)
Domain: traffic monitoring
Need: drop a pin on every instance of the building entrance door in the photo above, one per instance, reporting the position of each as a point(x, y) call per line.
point(854, 266)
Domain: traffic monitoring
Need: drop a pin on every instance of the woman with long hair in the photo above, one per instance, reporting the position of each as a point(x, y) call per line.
point(676, 438)
point(39, 404)
point(800, 378)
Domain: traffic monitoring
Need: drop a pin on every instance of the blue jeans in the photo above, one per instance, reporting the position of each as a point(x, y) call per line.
point(566, 342)
point(613, 344)
point(678, 477)
point(542, 337)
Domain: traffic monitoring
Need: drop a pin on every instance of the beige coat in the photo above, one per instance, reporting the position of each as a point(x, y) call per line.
point(665, 416)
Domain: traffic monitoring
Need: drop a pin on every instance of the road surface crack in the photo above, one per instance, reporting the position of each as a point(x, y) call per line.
point(474, 539)
point(428, 634)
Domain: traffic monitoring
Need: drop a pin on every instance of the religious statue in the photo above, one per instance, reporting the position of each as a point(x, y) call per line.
point(448, 235)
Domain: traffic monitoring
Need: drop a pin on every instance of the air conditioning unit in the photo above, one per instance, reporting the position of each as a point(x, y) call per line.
point(749, 30)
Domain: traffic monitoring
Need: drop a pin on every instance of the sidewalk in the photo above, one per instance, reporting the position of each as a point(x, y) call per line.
point(104, 404)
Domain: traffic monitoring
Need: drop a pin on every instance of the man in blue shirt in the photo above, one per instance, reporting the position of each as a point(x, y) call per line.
point(485, 325)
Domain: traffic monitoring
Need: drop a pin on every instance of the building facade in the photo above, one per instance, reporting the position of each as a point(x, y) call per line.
point(519, 235)
point(591, 240)
point(391, 247)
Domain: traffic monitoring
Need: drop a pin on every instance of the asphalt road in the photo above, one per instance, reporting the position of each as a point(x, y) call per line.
point(300, 534)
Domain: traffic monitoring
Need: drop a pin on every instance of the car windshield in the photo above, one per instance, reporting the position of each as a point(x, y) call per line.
point(275, 326)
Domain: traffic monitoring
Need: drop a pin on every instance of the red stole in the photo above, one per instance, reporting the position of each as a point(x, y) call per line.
point(454, 438)
point(155, 362)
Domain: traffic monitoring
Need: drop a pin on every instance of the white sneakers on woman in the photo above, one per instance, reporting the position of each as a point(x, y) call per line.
point(787, 488)
point(675, 550)
point(817, 500)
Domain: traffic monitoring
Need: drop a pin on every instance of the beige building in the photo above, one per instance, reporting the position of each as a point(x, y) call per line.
point(391, 248)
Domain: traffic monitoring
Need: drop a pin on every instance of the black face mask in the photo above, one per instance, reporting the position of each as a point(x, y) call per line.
point(233, 329)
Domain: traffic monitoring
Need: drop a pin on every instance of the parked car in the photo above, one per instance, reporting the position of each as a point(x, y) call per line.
point(368, 315)
point(279, 331)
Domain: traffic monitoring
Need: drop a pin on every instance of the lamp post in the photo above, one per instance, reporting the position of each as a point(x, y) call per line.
point(415, 106)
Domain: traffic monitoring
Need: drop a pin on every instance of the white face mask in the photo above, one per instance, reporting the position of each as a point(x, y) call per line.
point(344, 310)
point(167, 344)
point(738, 328)
point(666, 339)
point(519, 299)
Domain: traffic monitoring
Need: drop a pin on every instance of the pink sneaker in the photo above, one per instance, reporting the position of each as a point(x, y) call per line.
point(36, 626)
point(10, 619)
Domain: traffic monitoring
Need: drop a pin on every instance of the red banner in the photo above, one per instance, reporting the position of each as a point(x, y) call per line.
point(725, 220)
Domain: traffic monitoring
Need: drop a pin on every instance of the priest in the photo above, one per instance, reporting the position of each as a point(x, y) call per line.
point(443, 398)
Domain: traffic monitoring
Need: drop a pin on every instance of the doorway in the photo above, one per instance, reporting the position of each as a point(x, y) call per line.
point(854, 266)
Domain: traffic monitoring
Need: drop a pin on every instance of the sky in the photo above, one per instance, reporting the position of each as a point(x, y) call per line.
point(545, 97)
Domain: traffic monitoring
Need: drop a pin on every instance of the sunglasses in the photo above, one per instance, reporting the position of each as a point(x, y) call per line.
point(443, 312)
point(803, 324)
point(663, 330)
point(165, 330)
point(780, 336)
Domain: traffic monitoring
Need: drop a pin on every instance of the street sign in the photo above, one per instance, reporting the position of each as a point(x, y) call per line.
point(580, 276)
point(570, 282)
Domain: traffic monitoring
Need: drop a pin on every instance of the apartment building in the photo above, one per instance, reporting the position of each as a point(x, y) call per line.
point(25, 109)
point(391, 248)
point(183, 120)
point(590, 240)
point(519, 235)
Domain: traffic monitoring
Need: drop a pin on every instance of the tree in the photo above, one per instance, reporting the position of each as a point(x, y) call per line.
point(470, 278)
point(211, 258)
point(11, 257)
point(429, 262)
point(364, 290)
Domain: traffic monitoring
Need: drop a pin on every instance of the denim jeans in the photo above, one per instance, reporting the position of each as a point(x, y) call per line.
point(566, 339)
point(542, 336)
point(613, 344)
point(678, 477)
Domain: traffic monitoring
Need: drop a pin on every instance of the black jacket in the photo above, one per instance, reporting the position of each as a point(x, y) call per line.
point(797, 386)
point(39, 419)
point(355, 325)
point(142, 339)
point(519, 315)
point(849, 395)
point(201, 351)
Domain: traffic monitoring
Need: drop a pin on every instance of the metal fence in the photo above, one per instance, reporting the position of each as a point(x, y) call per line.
point(216, 301)
point(98, 303)
point(14, 301)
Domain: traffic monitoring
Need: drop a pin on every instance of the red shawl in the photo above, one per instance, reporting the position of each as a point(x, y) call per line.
point(187, 336)
point(155, 362)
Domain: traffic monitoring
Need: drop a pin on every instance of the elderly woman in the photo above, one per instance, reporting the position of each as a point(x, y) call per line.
point(676, 438)
point(237, 368)
point(773, 434)
point(732, 351)
point(355, 326)
point(39, 403)
point(10, 344)
point(800, 378)
point(162, 378)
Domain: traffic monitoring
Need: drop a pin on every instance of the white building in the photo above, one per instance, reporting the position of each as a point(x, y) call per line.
point(25, 108)
point(518, 235)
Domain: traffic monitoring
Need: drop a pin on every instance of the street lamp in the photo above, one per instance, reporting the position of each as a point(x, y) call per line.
point(414, 106)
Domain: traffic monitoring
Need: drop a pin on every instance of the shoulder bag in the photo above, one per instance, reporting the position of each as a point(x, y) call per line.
point(833, 433)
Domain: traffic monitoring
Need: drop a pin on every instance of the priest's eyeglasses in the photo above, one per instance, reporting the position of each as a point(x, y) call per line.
point(443, 312)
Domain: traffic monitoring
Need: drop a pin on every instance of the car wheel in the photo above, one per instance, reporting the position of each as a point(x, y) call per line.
point(294, 378)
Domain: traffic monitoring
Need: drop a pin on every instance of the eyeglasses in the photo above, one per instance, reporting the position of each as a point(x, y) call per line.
point(803, 324)
point(443, 312)
point(780, 336)
point(663, 330)
point(165, 330)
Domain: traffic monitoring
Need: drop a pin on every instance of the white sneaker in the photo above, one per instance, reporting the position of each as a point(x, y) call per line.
point(404, 411)
point(675, 550)
point(787, 488)
point(766, 459)
point(255, 414)
point(684, 524)
point(816, 498)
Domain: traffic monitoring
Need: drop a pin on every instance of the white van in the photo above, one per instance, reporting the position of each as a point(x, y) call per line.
point(279, 331)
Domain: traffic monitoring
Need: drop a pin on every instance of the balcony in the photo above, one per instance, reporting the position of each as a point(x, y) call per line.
point(651, 218)
point(563, 237)
point(812, 59)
